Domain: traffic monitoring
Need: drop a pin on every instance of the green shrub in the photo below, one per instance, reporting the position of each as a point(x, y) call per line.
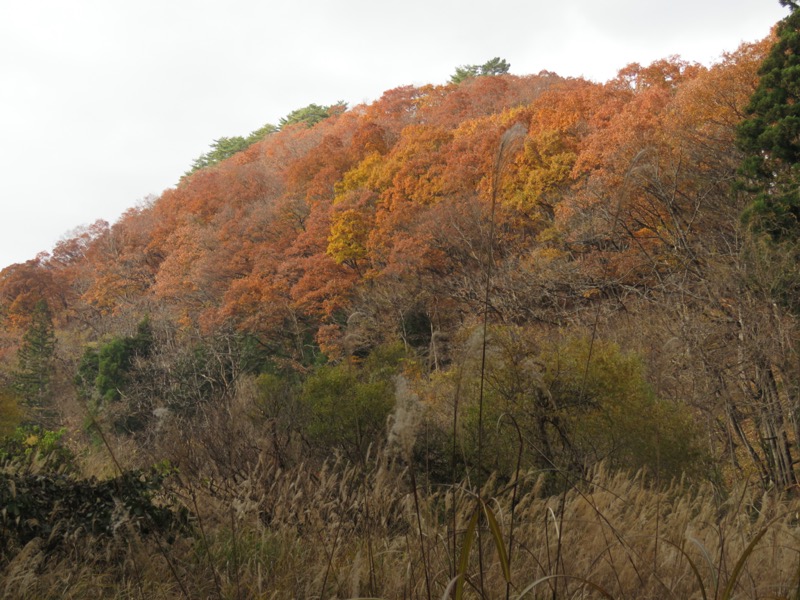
point(348, 404)
point(103, 372)
point(576, 403)
point(30, 444)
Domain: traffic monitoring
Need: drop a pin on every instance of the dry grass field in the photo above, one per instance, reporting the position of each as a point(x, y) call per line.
point(361, 532)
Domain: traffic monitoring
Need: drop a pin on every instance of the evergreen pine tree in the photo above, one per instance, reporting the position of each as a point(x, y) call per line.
point(35, 358)
point(494, 66)
point(770, 138)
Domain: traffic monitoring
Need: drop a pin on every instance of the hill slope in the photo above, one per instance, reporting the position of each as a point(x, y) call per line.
point(408, 278)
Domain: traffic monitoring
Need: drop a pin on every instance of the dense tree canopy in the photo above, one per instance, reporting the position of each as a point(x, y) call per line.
point(306, 250)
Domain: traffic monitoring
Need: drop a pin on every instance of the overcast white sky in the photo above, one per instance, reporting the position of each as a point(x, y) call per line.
point(103, 102)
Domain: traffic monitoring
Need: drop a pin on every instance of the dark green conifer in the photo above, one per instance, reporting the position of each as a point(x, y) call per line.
point(35, 358)
point(770, 138)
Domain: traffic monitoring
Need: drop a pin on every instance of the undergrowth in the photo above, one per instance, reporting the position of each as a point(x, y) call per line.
point(345, 531)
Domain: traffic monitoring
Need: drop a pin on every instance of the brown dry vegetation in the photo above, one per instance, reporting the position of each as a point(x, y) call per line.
point(347, 532)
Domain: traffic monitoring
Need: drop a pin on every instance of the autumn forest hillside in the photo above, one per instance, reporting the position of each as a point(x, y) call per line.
point(505, 284)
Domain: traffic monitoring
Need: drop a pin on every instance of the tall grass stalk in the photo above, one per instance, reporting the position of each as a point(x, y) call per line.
point(515, 488)
point(206, 546)
point(370, 552)
point(508, 143)
point(99, 430)
point(235, 545)
point(421, 533)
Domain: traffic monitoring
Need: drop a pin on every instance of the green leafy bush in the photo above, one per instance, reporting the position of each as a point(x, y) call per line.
point(348, 404)
point(30, 444)
point(103, 372)
point(575, 402)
